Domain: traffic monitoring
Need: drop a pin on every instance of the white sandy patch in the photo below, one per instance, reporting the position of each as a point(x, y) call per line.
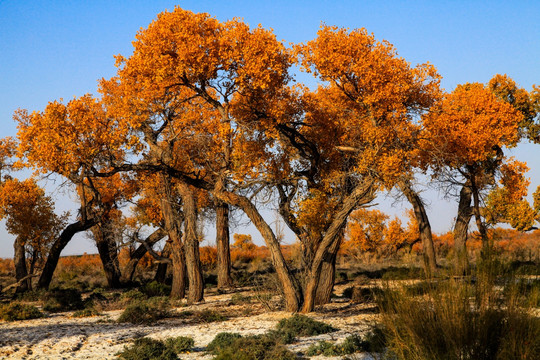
point(60, 336)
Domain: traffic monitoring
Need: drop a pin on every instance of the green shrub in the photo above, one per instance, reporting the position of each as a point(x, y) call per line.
point(257, 347)
point(133, 294)
point(144, 312)
point(148, 349)
point(89, 311)
point(280, 336)
point(301, 325)
point(351, 344)
point(221, 341)
point(58, 300)
point(18, 311)
point(208, 316)
point(238, 299)
point(155, 288)
point(180, 344)
point(323, 348)
point(32, 295)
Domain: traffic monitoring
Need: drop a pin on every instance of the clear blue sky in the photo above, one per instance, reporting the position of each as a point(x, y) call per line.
point(58, 49)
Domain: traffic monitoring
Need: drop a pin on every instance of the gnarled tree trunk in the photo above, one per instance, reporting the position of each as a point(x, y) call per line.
point(108, 254)
point(59, 245)
point(461, 228)
point(223, 246)
point(191, 245)
point(161, 271)
point(291, 289)
point(328, 275)
point(361, 195)
point(172, 220)
point(21, 271)
point(424, 227)
point(129, 270)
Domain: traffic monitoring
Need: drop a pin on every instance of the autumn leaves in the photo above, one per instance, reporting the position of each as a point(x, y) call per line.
point(205, 113)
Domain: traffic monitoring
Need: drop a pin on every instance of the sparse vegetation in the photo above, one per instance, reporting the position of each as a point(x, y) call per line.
point(459, 320)
point(148, 349)
point(221, 341)
point(18, 311)
point(144, 312)
point(86, 312)
point(352, 344)
point(58, 300)
point(208, 316)
point(180, 344)
point(301, 325)
point(255, 347)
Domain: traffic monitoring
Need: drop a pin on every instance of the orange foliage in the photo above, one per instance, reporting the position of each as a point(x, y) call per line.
point(243, 242)
point(373, 231)
point(67, 138)
point(80, 264)
point(507, 203)
point(208, 255)
point(468, 126)
point(369, 103)
point(7, 267)
point(29, 213)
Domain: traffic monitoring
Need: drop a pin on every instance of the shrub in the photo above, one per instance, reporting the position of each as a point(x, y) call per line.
point(351, 344)
point(238, 299)
point(208, 316)
point(147, 349)
point(323, 348)
point(459, 320)
point(180, 344)
point(58, 300)
point(144, 312)
point(301, 325)
point(132, 295)
point(257, 347)
point(89, 311)
point(155, 288)
point(18, 311)
point(221, 341)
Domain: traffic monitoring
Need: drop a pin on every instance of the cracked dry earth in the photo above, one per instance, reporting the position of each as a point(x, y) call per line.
point(60, 336)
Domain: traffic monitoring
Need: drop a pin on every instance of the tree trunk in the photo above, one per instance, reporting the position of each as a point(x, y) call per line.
point(223, 246)
point(291, 289)
point(191, 245)
point(21, 271)
point(129, 270)
point(361, 195)
point(108, 254)
point(178, 288)
point(173, 221)
point(478, 217)
point(424, 227)
point(461, 228)
point(161, 271)
point(328, 275)
point(59, 245)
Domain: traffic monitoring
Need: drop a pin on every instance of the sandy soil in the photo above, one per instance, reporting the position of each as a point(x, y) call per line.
point(60, 336)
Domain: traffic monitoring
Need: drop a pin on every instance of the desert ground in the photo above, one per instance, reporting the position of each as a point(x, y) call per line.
point(62, 336)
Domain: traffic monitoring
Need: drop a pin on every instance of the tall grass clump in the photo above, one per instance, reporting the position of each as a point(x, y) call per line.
point(481, 317)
